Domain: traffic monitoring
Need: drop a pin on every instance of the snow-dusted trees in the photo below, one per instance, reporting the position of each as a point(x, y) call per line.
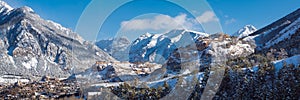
point(267, 82)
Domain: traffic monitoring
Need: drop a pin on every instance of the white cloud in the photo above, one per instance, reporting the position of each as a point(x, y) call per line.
point(226, 16)
point(207, 16)
point(165, 22)
point(230, 21)
point(159, 22)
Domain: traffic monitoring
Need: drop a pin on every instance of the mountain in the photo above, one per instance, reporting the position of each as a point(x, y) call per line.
point(116, 47)
point(32, 46)
point(157, 47)
point(283, 33)
point(245, 31)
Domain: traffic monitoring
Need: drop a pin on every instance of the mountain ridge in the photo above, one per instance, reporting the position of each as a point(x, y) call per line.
point(157, 47)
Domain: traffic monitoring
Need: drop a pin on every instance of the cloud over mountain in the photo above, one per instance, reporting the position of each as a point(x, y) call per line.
point(167, 23)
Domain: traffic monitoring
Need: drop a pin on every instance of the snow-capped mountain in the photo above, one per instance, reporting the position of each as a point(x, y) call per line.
point(157, 47)
point(116, 47)
point(33, 46)
point(245, 31)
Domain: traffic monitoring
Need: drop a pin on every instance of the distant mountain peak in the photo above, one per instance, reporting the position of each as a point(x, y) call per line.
point(245, 31)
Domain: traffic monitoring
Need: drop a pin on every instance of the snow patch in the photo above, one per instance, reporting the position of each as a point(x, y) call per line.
point(45, 65)
point(30, 64)
point(11, 59)
point(94, 93)
point(153, 41)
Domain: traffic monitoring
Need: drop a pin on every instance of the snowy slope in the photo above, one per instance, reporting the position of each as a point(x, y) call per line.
point(286, 33)
point(294, 60)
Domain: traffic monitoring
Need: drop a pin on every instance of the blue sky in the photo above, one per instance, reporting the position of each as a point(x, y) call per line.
point(144, 16)
point(65, 12)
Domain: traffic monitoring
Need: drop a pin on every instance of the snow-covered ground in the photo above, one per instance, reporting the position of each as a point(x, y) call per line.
point(294, 60)
point(171, 80)
point(11, 79)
